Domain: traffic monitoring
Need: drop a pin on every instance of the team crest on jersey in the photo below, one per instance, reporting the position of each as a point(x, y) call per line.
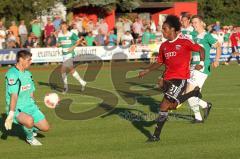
point(178, 47)
point(11, 81)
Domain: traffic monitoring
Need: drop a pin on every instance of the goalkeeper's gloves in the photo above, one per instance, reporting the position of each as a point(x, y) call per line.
point(9, 120)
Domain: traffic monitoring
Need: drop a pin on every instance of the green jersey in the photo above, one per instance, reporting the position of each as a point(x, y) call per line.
point(189, 32)
point(206, 40)
point(66, 41)
point(19, 83)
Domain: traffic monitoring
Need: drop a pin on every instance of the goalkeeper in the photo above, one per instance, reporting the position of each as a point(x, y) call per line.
point(21, 107)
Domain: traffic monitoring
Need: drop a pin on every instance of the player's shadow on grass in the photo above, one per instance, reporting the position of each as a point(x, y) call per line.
point(180, 116)
point(136, 117)
point(144, 100)
point(16, 131)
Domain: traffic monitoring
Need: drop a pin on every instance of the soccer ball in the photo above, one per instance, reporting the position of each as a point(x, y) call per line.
point(51, 100)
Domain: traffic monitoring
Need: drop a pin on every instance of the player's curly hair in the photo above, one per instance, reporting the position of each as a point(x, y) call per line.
point(174, 22)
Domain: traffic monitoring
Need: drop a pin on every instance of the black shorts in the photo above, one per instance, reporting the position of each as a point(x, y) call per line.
point(174, 88)
point(234, 49)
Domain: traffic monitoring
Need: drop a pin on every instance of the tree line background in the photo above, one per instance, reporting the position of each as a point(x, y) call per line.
point(225, 11)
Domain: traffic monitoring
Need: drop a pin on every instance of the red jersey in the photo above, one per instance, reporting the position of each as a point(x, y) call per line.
point(176, 55)
point(234, 39)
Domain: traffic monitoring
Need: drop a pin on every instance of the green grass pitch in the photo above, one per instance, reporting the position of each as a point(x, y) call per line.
point(121, 133)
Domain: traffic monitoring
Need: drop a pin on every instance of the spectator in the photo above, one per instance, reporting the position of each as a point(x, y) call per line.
point(2, 35)
point(14, 29)
point(217, 26)
point(23, 32)
point(78, 22)
point(127, 24)
point(127, 39)
point(29, 43)
point(120, 29)
point(90, 26)
point(112, 38)
point(82, 41)
point(36, 28)
point(74, 29)
point(137, 28)
point(103, 27)
point(90, 39)
point(57, 22)
point(100, 38)
point(11, 40)
point(48, 29)
point(51, 40)
point(146, 37)
point(227, 32)
point(153, 26)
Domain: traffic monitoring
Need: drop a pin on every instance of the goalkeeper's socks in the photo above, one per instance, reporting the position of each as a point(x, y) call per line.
point(28, 132)
point(35, 131)
point(160, 123)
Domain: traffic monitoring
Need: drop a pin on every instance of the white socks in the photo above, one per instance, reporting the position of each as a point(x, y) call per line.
point(77, 77)
point(202, 103)
point(196, 112)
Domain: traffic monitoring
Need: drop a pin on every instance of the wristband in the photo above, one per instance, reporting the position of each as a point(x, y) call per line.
point(201, 63)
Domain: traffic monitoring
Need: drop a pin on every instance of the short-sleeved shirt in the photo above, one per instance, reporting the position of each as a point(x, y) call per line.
point(112, 39)
point(206, 40)
point(90, 40)
point(36, 29)
point(146, 38)
point(20, 83)
point(176, 56)
point(66, 41)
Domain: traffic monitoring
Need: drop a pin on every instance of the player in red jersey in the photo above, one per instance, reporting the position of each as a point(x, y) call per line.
point(175, 54)
point(234, 38)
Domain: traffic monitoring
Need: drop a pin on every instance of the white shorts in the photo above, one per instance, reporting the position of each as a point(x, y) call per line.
point(197, 78)
point(67, 61)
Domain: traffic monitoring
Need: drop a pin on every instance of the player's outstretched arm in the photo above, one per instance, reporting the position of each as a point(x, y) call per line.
point(149, 69)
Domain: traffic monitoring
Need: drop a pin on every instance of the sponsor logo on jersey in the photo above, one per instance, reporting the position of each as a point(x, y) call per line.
point(170, 54)
point(26, 87)
point(66, 42)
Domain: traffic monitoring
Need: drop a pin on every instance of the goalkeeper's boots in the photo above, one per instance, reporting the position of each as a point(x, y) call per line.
point(34, 142)
point(207, 110)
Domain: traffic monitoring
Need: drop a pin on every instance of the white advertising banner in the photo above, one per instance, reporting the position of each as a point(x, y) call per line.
point(41, 55)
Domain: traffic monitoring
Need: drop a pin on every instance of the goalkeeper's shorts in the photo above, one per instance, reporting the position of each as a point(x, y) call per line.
point(31, 110)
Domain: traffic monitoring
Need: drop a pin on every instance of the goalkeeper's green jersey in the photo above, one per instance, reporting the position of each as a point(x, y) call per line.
point(20, 83)
point(66, 41)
